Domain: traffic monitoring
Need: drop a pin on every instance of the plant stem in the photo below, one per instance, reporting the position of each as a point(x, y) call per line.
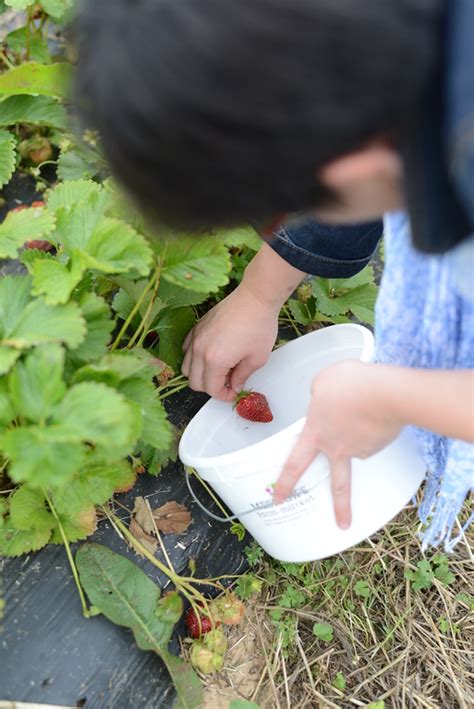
point(210, 492)
point(175, 390)
point(171, 382)
point(85, 610)
point(291, 320)
point(143, 325)
point(6, 60)
point(184, 583)
point(28, 35)
point(132, 314)
point(157, 532)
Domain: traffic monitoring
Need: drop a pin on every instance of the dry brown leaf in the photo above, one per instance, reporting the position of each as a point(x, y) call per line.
point(142, 514)
point(150, 543)
point(172, 518)
point(163, 371)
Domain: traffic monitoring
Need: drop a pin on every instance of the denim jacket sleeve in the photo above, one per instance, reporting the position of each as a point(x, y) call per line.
point(328, 251)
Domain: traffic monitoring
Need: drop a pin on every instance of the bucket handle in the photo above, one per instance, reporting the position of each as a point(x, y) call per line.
point(217, 518)
point(230, 518)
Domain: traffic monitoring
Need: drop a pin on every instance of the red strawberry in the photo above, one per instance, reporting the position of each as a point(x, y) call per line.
point(198, 625)
point(39, 245)
point(38, 203)
point(253, 406)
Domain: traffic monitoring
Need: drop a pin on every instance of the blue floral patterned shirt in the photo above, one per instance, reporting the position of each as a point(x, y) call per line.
point(425, 318)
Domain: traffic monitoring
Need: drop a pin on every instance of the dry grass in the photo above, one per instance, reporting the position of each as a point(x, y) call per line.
point(395, 644)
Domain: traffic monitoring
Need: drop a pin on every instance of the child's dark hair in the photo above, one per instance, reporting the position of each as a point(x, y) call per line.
point(219, 112)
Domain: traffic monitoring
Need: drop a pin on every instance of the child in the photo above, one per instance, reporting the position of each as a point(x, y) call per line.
point(216, 113)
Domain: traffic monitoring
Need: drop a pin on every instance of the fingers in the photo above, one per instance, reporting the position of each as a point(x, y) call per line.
point(241, 372)
point(341, 491)
point(215, 383)
point(205, 376)
point(187, 340)
point(299, 460)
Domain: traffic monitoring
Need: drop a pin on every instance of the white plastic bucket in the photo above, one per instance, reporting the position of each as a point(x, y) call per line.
point(241, 460)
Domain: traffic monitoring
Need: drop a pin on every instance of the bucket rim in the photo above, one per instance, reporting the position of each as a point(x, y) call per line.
point(228, 459)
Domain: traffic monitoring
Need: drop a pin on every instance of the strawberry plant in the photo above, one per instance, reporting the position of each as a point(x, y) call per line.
point(334, 300)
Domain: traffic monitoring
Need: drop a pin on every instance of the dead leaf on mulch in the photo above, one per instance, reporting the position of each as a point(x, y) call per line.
point(150, 543)
point(170, 518)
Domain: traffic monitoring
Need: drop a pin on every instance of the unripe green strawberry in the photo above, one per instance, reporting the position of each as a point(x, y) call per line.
point(205, 660)
point(228, 609)
point(216, 641)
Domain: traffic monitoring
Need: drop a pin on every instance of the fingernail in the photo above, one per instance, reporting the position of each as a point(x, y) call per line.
point(344, 525)
point(277, 499)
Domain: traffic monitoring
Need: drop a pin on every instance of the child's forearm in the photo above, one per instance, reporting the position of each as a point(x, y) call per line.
point(270, 278)
point(438, 400)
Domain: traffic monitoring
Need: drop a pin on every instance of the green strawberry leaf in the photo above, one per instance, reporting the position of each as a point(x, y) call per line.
point(37, 79)
point(15, 542)
point(300, 311)
point(100, 325)
point(115, 247)
point(8, 357)
point(18, 227)
point(333, 302)
point(25, 323)
point(80, 161)
point(156, 430)
point(96, 413)
point(57, 8)
point(129, 294)
point(76, 223)
point(127, 597)
point(36, 384)
point(7, 413)
point(55, 280)
point(95, 483)
point(36, 110)
point(241, 236)
point(116, 367)
point(173, 328)
point(154, 459)
point(75, 526)
point(70, 193)
point(37, 44)
point(366, 315)
point(7, 162)
point(362, 278)
point(197, 264)
point(19, 4)
point(44, 456)
point(174, 296)
point(41, 323)
point(28, 510)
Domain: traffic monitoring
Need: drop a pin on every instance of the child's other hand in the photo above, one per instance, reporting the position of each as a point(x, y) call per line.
point(348, 417)
point(232, 341)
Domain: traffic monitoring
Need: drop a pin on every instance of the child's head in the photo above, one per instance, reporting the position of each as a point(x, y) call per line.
point(219, 112)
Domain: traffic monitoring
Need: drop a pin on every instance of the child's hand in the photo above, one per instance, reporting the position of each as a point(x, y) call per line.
point(348, 417)
point(232, 341)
